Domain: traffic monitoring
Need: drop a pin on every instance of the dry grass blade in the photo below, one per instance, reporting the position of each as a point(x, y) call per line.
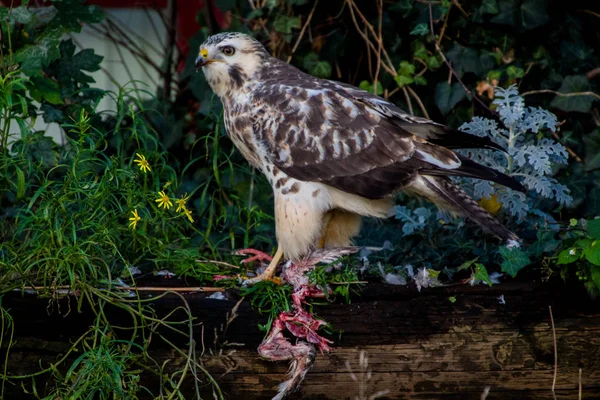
point(555, 351)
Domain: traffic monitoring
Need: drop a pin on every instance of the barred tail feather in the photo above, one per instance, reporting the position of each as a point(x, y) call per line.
point(447, 195)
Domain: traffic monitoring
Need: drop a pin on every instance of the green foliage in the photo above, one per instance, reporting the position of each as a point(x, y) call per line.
point(574, 84)
point(514, 260)
point(82, 214)
point(447, 96)
point(580, 252)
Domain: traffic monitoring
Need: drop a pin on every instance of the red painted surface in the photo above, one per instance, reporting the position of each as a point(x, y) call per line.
point(130, 3)
point(187, 22)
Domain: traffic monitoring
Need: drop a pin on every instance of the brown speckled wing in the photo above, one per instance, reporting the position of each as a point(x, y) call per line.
point(421, 127)
point(316, 130)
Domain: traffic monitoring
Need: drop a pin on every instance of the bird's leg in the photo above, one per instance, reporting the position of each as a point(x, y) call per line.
point(267, 274)
point(326, 221)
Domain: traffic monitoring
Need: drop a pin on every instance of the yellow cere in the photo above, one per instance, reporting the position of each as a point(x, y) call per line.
point(204, 53)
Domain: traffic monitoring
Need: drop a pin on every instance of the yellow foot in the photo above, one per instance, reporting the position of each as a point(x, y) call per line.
point(269, 273)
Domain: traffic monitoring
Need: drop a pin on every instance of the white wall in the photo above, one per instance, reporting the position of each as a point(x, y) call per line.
point(149, 31)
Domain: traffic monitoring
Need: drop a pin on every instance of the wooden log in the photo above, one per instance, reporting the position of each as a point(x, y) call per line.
point(418, 345)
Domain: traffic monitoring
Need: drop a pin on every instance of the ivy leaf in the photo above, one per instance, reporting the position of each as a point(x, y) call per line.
point(69, 69)
point(420, 80)
point(321, 69)
point(467, 264)
point(514, 260)
point(592, 253)
point(592, 144)
point(402, 6)
point(368, 86)
point(534, 13)
point(403, 80)
point(316, 67)
point(580, 103)
point(420, 30)
point(595, 276)
point(530, 14)
point(447, 96)
point(575, 53)
point(593, 228)
point(487, 7)
point(567, 256)
point(419, 50)
point(51, 114)
point(584, 243)
point(514, 72)
point(285, 24)
point(21, 15)
point(481, 274)
point(434, 62)
point(71, 13)
point(35, 56)
point(466, 59)
point(545, 243)
point(406, 68)
point(43, 88)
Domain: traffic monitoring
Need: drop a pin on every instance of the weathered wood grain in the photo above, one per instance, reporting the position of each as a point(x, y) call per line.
point(419, 345)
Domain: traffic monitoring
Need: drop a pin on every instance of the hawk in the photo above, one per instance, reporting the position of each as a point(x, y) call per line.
point(334, 153)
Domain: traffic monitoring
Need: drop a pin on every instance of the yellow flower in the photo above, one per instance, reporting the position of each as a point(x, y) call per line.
point(164, 201)
point(142, 163)
point(181, 203)
point(135, 219)
point(188, 214)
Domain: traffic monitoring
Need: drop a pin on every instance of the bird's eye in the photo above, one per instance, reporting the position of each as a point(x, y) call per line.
point(228, 50)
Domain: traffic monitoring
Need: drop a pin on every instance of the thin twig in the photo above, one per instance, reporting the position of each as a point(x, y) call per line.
point(441, 53)
point(595, 14)
point(138, 39)
point(380, 47)
point(419, 102)
point(354, 7)
point(569, 150)
point(218, 263)
point(393, 92)
point(457, 4)
point(593, 73)
point(138, 288)
point(555, 349)
point(151, 22)
point(170, 47)
point(106, 33)
point(573, 94)
point(443, 30)
point(172, 289)
point(388, 69)
point(407, 98)
point(310, 15)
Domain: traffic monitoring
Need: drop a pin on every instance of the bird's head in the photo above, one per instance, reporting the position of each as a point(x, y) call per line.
point(229, 60)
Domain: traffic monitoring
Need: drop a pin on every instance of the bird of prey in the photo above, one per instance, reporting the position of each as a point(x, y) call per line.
point(334, 153)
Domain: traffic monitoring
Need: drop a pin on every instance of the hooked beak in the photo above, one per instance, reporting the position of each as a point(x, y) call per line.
point(201, 61)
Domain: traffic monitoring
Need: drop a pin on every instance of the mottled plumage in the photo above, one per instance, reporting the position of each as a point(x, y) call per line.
point(333, 152)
